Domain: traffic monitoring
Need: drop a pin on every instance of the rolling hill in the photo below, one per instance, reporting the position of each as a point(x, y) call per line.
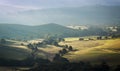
point(15, 31)
point(95, 51)
point(30, 32)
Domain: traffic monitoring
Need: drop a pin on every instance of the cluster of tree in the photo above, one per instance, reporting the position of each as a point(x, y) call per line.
point(80, 66)
point(59, 59)
point(52, 40)
point(97, 38)
point(65, 50)
point(116, 35)
point(32, 46)
point(58, 64)
point(104, 37)
point(34, 49)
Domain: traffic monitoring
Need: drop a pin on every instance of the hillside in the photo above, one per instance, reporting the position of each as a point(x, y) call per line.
point(15, 31)
point(54, 29)
point(13, 50)
point(20, 32)
point(95, 51)
point(32, 32)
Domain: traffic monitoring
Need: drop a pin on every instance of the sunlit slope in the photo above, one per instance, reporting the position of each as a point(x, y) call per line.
point(108, 50)
point(14, 50)
point(51, 49)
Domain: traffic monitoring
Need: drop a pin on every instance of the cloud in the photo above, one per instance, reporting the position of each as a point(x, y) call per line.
point(5, 4)
point(20, 6)
point(10, 10)
point(35, 4)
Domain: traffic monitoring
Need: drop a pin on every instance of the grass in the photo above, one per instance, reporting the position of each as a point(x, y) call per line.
point(71, 39)
point(51, 49)
point(14, 50)
point(92, 50)
point(8, 52)
point(77, 38)
point(95, 51)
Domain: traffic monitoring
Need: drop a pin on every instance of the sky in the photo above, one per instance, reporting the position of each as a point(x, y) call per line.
point(9, 8)
point(39, 4)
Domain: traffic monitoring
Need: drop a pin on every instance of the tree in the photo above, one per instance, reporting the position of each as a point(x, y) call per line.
point(99, 38)
point(55, 43)
point(81, 38)
point(63, 39)
point(30, 46)
point(22, 44)
point(66, 46)
point(70, 48)
point(60, 59)
point(57, 56)
point(61, 53)
point(2, 41)
point(49, 40)
point(60, 39)
point(106, 37)
point(64, 51)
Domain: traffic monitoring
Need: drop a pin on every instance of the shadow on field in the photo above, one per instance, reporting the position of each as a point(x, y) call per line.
point(58, 64)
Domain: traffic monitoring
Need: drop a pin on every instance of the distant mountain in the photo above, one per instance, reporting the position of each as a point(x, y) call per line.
point(53, 29)
point(31, 32)
point(15, 31)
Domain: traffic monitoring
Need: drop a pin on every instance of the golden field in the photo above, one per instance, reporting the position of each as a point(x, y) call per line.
point(91, 50)
point(94, 50)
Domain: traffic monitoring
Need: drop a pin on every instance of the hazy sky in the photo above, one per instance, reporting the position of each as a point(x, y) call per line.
point(39, 4)
point(9, 8)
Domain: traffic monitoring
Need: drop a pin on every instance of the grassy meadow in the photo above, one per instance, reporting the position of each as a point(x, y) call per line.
point(91, 50)
point(94, 50)
point(14, 50)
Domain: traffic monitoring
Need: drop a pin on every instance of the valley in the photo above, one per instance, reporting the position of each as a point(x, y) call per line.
point(91, 50)
point(49, 44)
point(59, 35)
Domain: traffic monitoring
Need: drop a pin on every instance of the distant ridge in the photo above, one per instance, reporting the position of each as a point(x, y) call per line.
point(30, 32)
point(15, 31)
